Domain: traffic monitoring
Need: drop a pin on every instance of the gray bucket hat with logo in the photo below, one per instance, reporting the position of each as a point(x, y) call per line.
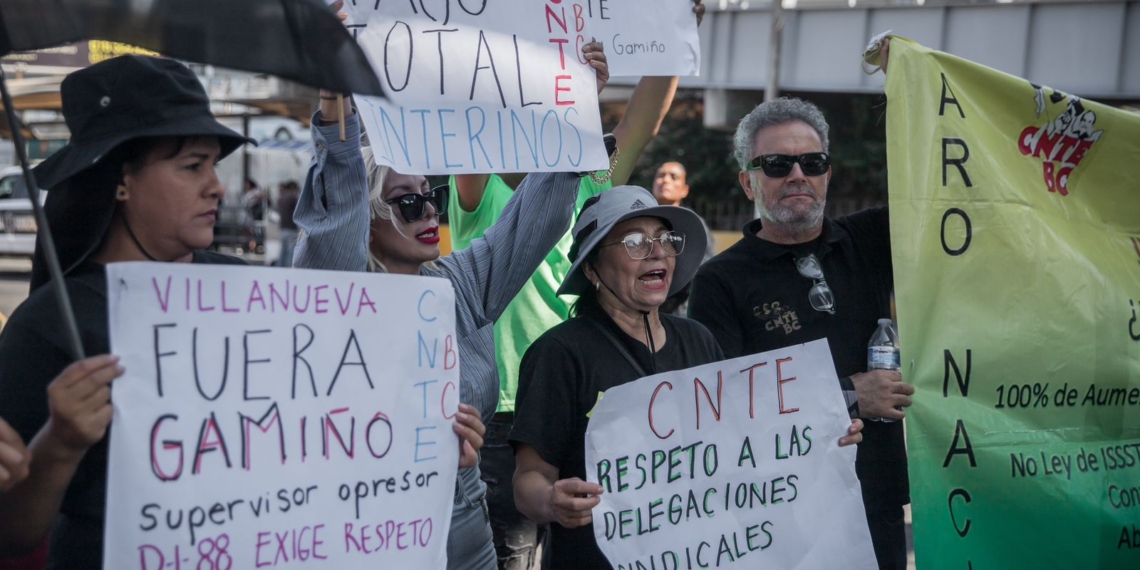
point(622, 203)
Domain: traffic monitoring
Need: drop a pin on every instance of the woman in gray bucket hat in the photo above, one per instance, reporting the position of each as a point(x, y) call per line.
point(136, 182)
point(629, 256)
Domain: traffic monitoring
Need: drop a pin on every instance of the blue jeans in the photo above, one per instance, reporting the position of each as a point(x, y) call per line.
point(469, 545)
point(516, 537)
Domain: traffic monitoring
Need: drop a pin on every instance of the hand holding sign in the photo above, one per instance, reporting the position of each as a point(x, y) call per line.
point(572, 501)
point(470, 429)
point(14, 458)
point(80, 402)
point(854, 434)
point(595, 55)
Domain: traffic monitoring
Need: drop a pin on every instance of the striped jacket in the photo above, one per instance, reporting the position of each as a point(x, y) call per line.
point(333, 220)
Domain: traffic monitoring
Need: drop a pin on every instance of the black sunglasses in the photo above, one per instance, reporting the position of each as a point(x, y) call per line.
point(414, 206)
point(780, 165)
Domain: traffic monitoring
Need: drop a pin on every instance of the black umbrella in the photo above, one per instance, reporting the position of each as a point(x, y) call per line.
point(301, 40)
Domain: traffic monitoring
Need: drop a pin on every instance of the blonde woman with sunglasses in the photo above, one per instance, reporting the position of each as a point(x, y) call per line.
point(355, 215)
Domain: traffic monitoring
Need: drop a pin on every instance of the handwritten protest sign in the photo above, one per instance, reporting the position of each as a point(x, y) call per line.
point(477, 86)
point(645, 37)
point(734, 464)
point(285, 419)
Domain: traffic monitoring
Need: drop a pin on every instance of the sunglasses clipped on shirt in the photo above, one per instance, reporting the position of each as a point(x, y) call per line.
point(413, 206)
point(820, 296)
point(780, 165)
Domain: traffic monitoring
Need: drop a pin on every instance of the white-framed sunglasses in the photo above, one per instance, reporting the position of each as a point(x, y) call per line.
point(820, 296)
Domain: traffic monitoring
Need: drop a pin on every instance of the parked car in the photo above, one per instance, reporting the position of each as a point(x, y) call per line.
point(17, 220)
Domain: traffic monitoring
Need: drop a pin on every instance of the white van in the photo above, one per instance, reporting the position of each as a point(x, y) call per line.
point(17, 219)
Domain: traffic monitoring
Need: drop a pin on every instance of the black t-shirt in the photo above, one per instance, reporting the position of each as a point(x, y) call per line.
point(753, 299)
point(560, 378)
point(33, 351)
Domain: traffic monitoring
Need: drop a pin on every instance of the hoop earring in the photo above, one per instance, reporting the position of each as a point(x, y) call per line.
point(121, 194)
point(598, 285)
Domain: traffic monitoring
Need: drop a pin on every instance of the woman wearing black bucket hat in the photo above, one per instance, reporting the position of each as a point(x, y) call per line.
point(629, 256)
point(136, 182)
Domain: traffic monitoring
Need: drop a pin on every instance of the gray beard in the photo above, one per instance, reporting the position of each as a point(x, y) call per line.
point(792, 220)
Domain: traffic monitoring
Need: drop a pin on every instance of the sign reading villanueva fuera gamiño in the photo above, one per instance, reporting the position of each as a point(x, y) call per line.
point(280, 418)
point(734, 464)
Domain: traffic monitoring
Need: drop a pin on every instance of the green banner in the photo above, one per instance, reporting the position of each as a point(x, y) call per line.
point(1015, 223)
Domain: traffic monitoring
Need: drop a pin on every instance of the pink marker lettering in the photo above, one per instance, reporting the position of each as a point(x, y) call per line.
point(163, 298)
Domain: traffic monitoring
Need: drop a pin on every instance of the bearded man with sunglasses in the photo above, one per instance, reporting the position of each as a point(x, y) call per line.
point(797, 276)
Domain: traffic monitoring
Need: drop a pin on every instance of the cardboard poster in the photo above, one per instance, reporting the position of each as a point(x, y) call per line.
point(474, 86)
point(734, 464)
point(280, 418)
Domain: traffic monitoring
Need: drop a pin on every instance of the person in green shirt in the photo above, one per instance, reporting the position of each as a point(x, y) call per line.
point(476, 200)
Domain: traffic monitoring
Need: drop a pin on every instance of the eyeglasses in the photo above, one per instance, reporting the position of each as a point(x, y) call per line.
point(413, 206)
point(820, 295)
point(780, 165)
point(640, 246)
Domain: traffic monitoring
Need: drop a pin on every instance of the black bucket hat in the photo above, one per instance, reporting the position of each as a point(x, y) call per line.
point(105, 105)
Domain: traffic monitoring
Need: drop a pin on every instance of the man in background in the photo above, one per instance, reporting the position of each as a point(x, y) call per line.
point(671, 187)
point(286, 204)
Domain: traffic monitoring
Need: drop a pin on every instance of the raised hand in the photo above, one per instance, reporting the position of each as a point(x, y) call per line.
point(470, 429)
point(595, 55)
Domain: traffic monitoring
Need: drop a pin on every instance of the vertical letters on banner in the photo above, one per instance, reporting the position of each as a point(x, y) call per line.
point(1015, 228)
point(734, 464)
point(285, 419)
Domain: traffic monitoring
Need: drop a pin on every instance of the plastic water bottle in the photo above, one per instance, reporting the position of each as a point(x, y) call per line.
point(883, 352)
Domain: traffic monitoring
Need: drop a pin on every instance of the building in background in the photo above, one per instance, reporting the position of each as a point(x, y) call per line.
point(1089, 48)
point(272, 111)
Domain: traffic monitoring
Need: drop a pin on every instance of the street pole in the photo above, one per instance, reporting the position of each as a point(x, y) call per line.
point(772, 91)
point(46, 243)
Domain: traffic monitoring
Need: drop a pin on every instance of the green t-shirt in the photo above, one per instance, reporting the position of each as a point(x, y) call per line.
point(536, 308)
